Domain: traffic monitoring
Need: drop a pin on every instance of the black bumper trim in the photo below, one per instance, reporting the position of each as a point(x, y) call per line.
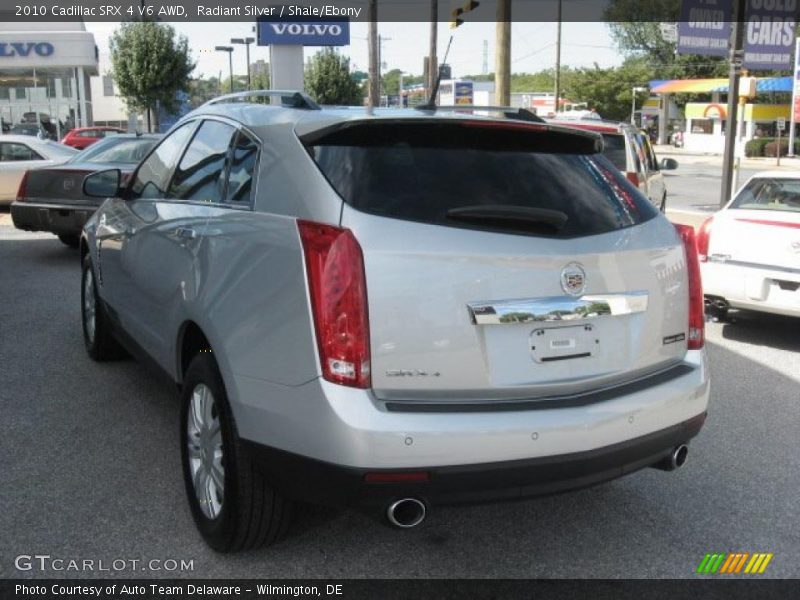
point(543, 403)
point(64, 219)
point(319, 482)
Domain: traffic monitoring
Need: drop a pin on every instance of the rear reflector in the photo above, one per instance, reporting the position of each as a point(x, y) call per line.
point(697, 319)
point(703, 239)
point(336, 280)
point(22, 190)
point(632, 177)
point(396, 477)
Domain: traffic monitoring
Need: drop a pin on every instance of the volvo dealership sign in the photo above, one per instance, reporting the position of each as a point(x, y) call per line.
point(11, 49)
point(303, 33)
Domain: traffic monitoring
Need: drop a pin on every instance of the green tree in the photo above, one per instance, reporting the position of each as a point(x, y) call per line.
point(328, 80)
point(608, 91)
point(150, 65)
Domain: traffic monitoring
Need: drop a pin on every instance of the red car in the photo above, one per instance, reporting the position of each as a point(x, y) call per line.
point(86, 136)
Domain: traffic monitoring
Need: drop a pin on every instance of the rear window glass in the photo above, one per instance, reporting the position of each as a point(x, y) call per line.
point(117, 150)
point(770, 194)
point(614, 150)
point(492, 179)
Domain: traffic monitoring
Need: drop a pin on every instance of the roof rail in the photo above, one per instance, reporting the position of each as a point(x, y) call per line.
point(288, 98)
point(510, 112)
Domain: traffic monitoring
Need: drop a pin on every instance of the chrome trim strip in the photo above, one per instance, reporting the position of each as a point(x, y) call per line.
point(550, 402)
point(556, 308)
point(718, 259)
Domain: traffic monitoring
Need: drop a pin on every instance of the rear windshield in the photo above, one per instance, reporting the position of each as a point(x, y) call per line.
point(454, 175)
point(116, 150)
point(770, 194)
point(614, 150)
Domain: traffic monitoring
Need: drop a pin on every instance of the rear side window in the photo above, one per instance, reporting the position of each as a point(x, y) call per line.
point(10, 152)
point(499, 179)
point(242, 165)
point(615, 151)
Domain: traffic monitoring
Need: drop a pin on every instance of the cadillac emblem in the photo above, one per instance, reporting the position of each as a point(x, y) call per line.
point(573, 279)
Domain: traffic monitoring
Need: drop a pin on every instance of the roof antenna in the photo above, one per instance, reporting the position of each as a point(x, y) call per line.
point(431, 104)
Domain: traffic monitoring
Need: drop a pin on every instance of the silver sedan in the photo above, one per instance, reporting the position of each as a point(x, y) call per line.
point(18, 153)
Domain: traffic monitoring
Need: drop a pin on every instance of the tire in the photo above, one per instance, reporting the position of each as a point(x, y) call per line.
point(237, 509)
point(97, 336)
point(70, 240)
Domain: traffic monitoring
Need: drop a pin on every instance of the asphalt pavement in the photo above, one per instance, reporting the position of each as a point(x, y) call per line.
point(90, 469)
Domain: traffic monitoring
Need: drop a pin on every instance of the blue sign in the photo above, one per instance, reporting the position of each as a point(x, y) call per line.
point(9, 49)
point(304, 33)
point(463, 92)
point(705, 27)
point(769, 34)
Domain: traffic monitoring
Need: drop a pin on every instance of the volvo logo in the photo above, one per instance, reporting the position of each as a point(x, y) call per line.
point(573, 279)
point(8, 49)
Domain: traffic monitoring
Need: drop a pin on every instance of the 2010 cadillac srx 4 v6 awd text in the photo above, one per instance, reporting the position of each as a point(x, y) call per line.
point(395, 310)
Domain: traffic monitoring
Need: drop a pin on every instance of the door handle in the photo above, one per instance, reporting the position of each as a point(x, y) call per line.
point(186, 233)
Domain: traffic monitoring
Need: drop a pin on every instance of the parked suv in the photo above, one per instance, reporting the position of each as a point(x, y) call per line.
point(394, 309)
point(632, 153)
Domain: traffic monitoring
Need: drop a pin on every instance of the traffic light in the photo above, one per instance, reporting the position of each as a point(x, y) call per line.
point(468, 6)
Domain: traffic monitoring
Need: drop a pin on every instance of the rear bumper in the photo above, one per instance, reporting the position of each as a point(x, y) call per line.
point(61, 219)
point(320, 482)
point(753, 287)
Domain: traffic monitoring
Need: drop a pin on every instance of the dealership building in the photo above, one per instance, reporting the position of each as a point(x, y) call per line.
point(51, 73)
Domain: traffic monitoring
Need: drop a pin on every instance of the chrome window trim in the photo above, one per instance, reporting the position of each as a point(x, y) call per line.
point(556, 308)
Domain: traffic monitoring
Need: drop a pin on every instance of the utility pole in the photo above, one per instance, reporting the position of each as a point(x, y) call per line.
point(736, 55)
point(558, 58)
point(433, 60)
point(485, 68)
point(373, 99)
point(502, 55)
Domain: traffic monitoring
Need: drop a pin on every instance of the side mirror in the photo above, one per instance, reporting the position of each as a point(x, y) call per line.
point(103, 184)
point(669, 164)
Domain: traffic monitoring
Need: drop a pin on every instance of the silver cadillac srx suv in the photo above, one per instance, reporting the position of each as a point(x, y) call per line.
point(394, 310)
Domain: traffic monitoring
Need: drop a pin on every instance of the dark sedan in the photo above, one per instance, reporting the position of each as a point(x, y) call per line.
point(52, 198)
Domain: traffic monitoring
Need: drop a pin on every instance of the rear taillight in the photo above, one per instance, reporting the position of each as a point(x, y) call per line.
point(22, 190)
point(703, 238)
point(697, 320)
point(336, 280)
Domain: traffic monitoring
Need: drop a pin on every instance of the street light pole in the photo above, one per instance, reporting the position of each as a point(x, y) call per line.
point(246, 41)
point(229, 50)
point(634, 91)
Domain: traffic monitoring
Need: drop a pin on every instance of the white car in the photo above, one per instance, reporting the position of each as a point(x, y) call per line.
point(750, 250)
point(18, 153)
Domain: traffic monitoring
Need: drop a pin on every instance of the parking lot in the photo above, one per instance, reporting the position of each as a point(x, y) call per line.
point(90, 468)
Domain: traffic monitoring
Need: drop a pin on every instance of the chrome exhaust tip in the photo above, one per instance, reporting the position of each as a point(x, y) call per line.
point(679, 456)
point(675, 460)
point(406, 513)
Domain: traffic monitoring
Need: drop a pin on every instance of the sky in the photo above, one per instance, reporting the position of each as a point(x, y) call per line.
point(533, 46)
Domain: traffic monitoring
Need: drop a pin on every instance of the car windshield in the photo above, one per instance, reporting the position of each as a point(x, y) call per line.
point(482, 178)
point(764, 193)
point(116, 150)
point(614, 150)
